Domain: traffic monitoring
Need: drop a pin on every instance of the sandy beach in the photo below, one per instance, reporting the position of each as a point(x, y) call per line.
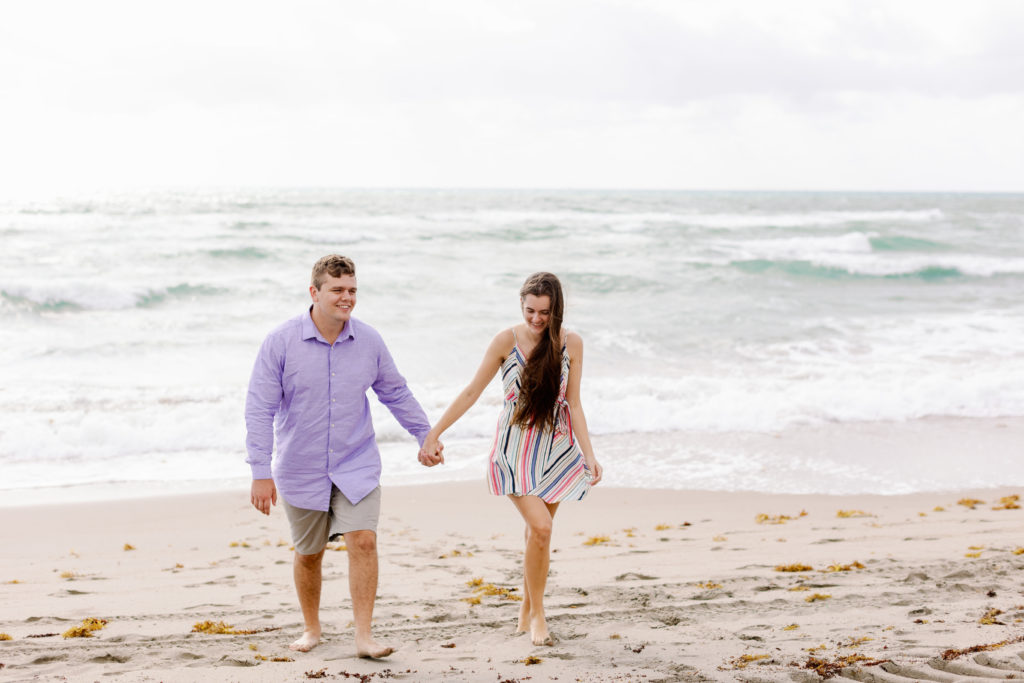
point(646, 585)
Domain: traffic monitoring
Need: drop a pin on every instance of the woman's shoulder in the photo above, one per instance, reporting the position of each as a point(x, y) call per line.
point(506, 336)
point(503, 342)
point(571, 340)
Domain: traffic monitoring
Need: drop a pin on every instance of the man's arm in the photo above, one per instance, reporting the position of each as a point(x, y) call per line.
point(394, 393)
point(261, 404)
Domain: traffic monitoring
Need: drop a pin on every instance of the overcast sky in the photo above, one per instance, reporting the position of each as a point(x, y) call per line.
point(712, 94)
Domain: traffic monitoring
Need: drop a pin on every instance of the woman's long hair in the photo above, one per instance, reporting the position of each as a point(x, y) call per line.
point(539, 382)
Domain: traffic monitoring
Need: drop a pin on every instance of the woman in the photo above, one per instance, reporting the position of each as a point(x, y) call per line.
point(541, 453)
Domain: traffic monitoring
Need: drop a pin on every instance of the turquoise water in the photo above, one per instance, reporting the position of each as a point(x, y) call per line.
point(129, 322)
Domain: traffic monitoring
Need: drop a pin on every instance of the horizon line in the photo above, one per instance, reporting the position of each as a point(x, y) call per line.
point(14, 194)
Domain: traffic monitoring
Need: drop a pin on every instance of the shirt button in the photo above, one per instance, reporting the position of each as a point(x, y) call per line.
point(332, 425)
point(332, 374)
point(334, 400)
point(332, 450)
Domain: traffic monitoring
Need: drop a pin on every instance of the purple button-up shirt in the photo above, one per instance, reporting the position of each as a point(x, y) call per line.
point(313, 395)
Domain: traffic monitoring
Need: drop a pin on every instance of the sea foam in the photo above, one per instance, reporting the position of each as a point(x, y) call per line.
point(129, 322)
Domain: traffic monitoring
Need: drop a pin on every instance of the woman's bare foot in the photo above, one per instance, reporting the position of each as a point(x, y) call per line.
point(524, 618)
point(539, 632)
point(307, 642)
point(370, 648)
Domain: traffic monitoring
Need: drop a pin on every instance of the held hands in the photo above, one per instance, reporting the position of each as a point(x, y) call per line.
point(432, 452)
point(596, 471)
point(263, 495)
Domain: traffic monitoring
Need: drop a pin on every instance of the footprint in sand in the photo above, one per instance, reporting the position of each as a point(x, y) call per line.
point(962, 574)
point(110, 659)
point(234, 661)
point(438, 618)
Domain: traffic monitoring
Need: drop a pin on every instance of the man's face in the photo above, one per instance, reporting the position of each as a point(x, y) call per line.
point(336, 298)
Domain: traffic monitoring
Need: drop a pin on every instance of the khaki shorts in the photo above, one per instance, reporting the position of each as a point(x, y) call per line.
point(311, 529)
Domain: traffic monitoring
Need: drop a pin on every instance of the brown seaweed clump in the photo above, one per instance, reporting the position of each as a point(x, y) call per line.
point(855, 641)
point(264, 658)
point(89, 624)
point(1008, 503)
point(952, 654)
point(213, 627)
point(989, 618)
point(743, 661)
point(794, 568)
point(763, 518)
point(481, 589)
point(843, 567)
point(221, 628)
point(830, 669)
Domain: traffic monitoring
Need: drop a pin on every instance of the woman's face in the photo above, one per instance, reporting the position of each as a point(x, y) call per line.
point(537, 312)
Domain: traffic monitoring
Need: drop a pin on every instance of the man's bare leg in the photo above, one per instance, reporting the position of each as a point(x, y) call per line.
point(527, 604)
point(307, 570)
point(538, 517)
point(362, 584)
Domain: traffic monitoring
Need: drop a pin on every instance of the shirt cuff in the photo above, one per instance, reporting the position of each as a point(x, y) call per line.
point(421, 436)
point(261, 472)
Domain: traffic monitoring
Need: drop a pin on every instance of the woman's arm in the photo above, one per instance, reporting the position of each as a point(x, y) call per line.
point(493, 358)
point(574, 344)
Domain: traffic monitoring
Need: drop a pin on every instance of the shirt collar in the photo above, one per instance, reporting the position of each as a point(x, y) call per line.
point(310, 331)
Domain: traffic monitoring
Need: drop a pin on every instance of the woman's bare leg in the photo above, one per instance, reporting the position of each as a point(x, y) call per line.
point(538, 516)
point(525, 607)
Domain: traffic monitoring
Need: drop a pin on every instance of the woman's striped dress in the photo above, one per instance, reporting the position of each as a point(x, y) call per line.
point(530, 461)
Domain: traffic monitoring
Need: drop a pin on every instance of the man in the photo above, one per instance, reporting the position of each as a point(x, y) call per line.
point(311, 377)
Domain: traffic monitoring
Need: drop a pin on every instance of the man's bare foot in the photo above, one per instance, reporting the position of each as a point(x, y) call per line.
point(539, 632)
point(371, 649)
point(307, 642)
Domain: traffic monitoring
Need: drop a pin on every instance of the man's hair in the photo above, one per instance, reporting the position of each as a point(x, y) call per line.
point(331, 265)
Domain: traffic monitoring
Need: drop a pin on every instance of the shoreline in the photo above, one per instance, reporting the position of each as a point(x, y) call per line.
point(923, 455)
point(678, 585)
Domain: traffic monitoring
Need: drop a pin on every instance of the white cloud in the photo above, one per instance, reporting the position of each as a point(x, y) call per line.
point(660, 93)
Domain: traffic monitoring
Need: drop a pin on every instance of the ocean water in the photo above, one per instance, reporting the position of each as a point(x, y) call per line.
point(129, 322)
